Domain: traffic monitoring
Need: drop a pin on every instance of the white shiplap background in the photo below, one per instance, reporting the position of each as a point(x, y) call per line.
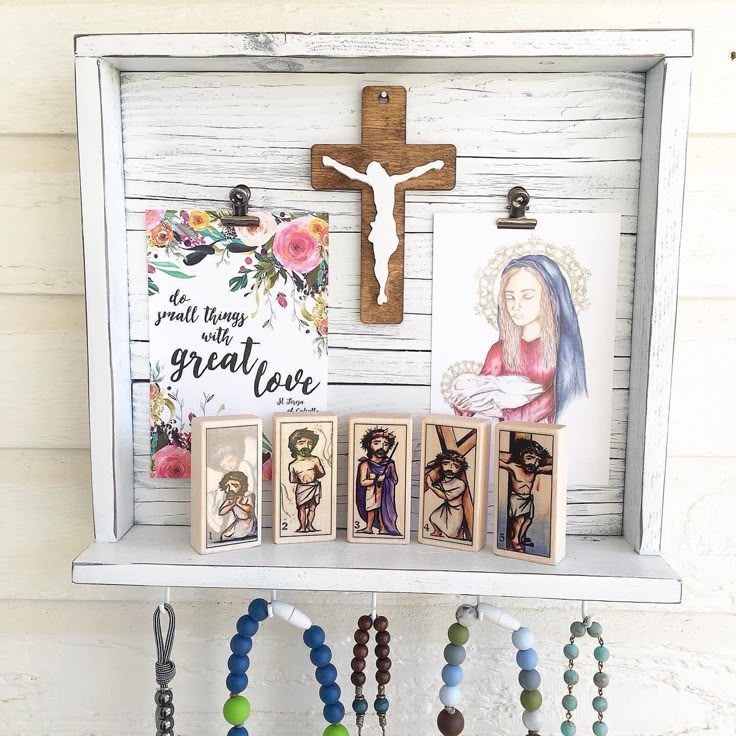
point(574, 140)
point(78, 661)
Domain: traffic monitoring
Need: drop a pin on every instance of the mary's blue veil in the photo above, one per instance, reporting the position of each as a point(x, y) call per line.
point(570, 380)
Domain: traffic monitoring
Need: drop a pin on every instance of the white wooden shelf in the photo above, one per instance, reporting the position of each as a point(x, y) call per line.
point(596, 568)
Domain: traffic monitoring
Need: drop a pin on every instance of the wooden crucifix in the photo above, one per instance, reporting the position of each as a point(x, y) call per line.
point(383, 167)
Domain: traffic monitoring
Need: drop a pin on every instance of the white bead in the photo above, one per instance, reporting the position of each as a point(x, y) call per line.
point(466, 615)
point(450, 695)
point(523, 638)
point(533, 719)
point(291, 614)
point(487, 612)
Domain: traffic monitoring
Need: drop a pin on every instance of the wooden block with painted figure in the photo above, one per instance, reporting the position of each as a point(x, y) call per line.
point(530, 478)
point(379, 478)
point(227, 483)
point(304, 477)
point(453, 491)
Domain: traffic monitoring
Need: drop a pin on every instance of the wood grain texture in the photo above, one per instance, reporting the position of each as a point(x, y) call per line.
point(471, 44)
point(103, 236)
point(383, 140)
point(664, 148)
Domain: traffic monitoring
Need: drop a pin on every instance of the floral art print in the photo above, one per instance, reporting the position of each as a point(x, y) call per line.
point(238, 322)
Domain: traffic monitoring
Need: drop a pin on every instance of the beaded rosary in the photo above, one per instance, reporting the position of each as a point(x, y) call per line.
point(383, 665)
point(165, 671)
point(237, 708)
point(600, 678)
point(450, 720)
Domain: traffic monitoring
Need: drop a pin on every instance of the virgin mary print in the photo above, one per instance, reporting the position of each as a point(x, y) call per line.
point(523, 327)
point(537, 365)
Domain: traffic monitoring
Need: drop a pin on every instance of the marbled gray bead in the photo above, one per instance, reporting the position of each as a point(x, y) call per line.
point(530, 679)
point(600, 679)
point(454, 654)
point(595, 629)
point(577, 628)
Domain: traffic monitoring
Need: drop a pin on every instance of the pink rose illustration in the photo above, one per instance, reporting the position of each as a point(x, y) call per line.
point(153, 217)
point(295, 247)
point(322, 327)
point(258, 235)
point(172, 462)
point(153, 390)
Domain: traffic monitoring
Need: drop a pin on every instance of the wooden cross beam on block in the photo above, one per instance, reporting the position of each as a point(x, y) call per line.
point(383, 167)
point(449, 441)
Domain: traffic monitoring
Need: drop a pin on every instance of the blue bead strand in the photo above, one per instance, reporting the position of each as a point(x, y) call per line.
point(320, 656)
point(239, 662)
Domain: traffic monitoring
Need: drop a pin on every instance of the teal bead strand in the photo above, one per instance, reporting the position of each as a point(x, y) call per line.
point(600, 679)
point(571, 677)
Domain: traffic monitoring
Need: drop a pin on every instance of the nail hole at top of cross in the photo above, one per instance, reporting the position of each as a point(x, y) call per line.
point(383, 97)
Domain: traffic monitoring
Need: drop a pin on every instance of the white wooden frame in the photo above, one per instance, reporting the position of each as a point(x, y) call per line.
point(663, 55)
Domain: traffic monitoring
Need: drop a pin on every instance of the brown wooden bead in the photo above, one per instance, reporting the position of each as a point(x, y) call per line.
point(381, 623)
point(383, 665)
point(360, 650)
point(365, 623)
point(358, 678)
point(357, 664)
point(450, 724)
point(383, 678)
point(382, 651)
point(383, 638)
point(362, 637)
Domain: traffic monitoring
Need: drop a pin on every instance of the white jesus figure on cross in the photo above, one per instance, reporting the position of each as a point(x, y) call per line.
point(383, 235)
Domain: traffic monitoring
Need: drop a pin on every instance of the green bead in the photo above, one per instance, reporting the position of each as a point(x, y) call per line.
point(458, 634)
point(569, 702)
point(577, 628)
point(600, 728)
point(600, 679)
point(571, 677)
point(601, 654)
point(531, 699)
point(571, 651)
point(236, 710)
point(336, 729)
point(567, 728)
point(600, 704)
point(595, 629)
